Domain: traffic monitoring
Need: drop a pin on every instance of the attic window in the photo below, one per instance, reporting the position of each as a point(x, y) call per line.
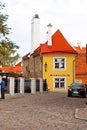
point(59, 63)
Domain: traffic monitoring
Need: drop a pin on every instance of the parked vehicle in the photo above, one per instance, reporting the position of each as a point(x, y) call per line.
point(77, 89)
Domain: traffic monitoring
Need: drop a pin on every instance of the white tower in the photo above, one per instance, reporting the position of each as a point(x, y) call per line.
point(49, 35)
point(35, 32)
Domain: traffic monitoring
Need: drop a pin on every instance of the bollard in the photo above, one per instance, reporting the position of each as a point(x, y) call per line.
point(41, 85)
point(33, 85)
point(11, 85)
point(21, 85)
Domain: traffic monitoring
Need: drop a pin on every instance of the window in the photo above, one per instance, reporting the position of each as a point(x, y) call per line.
point(59, 63)
point(59, 82)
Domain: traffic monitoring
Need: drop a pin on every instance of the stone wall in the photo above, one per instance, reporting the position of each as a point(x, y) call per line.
point(32, 67)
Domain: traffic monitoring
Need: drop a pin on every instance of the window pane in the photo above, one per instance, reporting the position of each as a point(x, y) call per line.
point(61, 85)
point(56, 85)
point(62, 79)
point(56, 65)
point(57, 79)
point(62, 59)
point(61, 65)
point(55, 60)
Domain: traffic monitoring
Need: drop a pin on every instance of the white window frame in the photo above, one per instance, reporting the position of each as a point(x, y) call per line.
point(60, 82)
point(60, 62)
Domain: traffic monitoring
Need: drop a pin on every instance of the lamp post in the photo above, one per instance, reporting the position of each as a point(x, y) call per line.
point(45, 66)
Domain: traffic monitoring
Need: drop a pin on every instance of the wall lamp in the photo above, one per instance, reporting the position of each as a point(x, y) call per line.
point(45, 66)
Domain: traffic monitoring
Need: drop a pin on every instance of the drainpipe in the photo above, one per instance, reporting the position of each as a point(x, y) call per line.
point(73, 71)
point(74, 67)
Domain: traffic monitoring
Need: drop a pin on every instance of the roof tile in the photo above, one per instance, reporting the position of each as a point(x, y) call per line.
point(59, 45)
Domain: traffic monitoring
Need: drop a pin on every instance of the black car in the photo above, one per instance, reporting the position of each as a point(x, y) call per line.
point(77, 89)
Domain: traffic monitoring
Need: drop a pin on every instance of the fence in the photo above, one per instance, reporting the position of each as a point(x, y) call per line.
point(21, 85)
point(28, 85)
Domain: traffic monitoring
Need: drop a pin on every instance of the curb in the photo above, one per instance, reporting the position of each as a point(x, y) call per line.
point(81, 113)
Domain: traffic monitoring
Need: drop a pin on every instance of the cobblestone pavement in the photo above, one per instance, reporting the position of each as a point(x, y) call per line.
point(46, 111)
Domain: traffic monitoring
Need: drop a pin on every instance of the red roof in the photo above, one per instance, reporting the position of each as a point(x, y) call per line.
point(81, 50)
point(16, 69)
point(80, 62)
point(59, 45)
point(18, 64)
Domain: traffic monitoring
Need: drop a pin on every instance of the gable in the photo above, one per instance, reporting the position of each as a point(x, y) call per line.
point(59, 45)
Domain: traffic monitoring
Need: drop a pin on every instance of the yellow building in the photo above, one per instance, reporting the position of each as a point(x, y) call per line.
point(59, 71)
point(54, 62)
point(58, 62)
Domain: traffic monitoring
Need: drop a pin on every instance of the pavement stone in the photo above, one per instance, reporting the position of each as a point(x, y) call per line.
point(81, 113)
point(42, 111)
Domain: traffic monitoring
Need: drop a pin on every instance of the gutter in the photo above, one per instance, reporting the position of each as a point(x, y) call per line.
point(74, 67)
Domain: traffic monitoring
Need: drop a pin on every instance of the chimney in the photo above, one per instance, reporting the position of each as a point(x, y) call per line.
point(35, 32)
point(49, 35)
point(79, 45)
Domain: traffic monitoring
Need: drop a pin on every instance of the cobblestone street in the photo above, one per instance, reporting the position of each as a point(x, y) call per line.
point(46, 111)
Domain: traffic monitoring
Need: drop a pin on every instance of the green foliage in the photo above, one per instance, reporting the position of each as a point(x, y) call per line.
point(4, 30)
point(8, 55)
point(13, 74)
point(8, 49)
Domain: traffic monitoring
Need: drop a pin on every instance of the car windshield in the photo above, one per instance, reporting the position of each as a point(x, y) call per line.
point(76, 85)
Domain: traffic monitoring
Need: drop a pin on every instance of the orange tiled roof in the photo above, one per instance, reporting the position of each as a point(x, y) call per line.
point(59, 45)
point(18, 64)
point(16, 69)
point(80, 62)
point(80, 50)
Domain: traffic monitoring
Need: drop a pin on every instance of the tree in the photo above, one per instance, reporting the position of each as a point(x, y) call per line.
point(8, 49)
point(8, 55)
point(4, 30)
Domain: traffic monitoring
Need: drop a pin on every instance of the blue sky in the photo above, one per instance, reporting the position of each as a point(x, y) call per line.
point(70, 16)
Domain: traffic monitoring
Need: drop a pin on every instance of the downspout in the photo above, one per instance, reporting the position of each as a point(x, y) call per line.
point(74, 67)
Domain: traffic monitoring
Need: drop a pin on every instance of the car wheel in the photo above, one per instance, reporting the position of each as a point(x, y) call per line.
point(69, 95)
